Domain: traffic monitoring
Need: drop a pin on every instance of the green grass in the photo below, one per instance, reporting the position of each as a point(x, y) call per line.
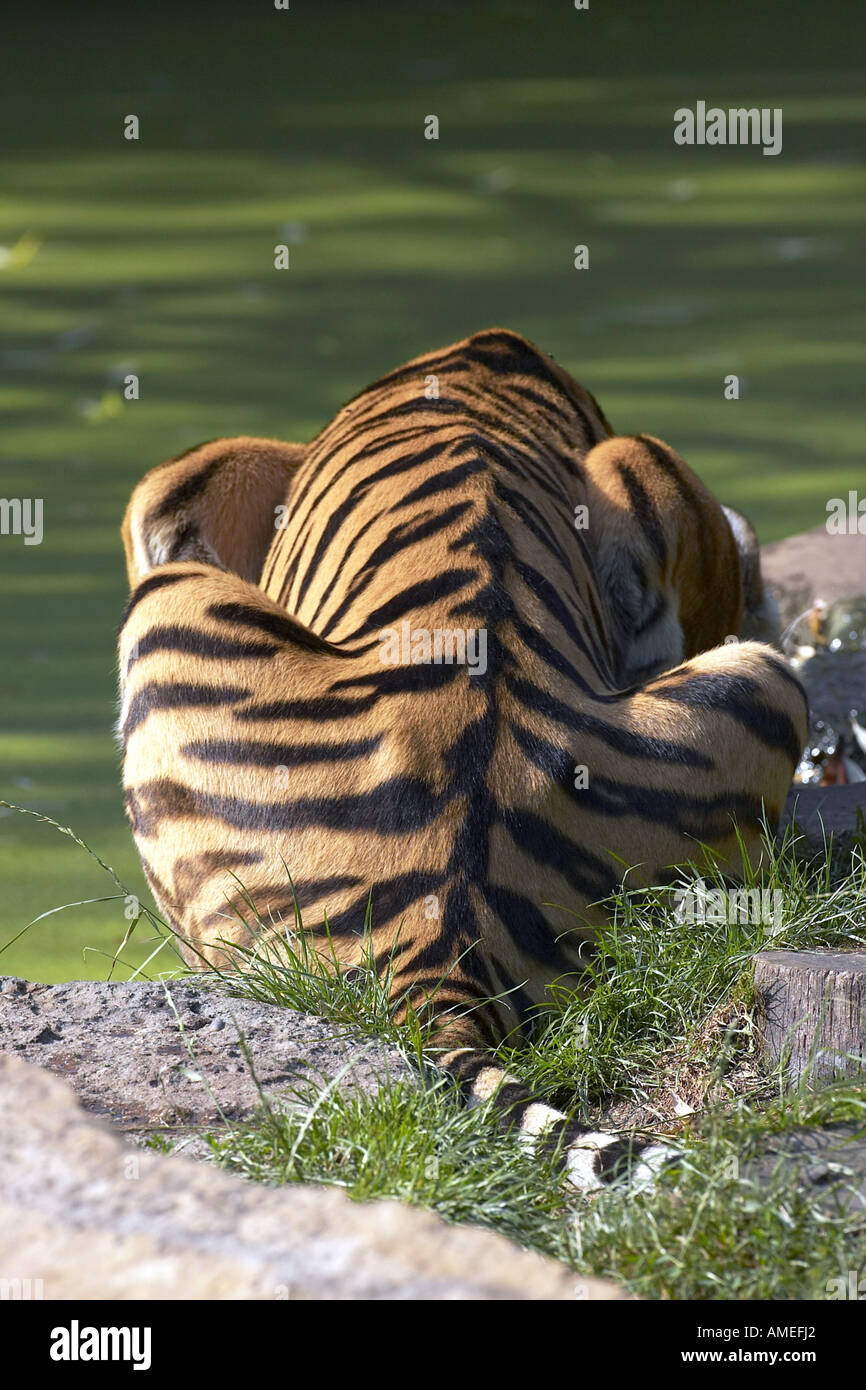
point(663, 1038)
point(658, 1014)
point(709, 1230)
point(258, 127)
point(667, 1020)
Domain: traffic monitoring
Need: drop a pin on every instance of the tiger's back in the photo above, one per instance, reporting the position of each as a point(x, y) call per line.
point(484, 669)
point(319, 740)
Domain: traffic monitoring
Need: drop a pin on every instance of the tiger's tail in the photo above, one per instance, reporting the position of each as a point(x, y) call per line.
point(589, 1159)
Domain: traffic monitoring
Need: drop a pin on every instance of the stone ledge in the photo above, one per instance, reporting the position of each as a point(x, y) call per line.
point(93, 1219)
point(123, 1049)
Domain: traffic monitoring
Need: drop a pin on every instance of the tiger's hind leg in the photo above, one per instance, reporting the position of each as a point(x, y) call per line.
point(736, 720)
point(707, 751)
point(218, 503)
point(224, 702)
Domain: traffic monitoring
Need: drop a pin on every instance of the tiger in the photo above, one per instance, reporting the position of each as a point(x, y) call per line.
point(463, 658)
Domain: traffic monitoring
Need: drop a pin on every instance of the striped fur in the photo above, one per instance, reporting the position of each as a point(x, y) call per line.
point(262, 728)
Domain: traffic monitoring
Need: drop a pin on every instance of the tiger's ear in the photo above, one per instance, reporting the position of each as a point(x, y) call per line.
point(761, 619)
point(216, 503)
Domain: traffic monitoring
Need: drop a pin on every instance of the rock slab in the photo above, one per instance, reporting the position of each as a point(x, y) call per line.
point(812, 565)
point(93, 1219)
point(820, 813)
point(153, 1056)
point(828, 1164)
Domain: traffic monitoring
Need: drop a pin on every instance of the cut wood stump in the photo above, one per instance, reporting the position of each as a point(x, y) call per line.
point(814, 1006)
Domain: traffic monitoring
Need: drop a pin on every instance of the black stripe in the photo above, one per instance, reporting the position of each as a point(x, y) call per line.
point(538, 644)
point(403, 680)
point(186, 491)
point(645, 512)
point(526, 925)
point(273, 901)
point(420, 595)
point(704, 817)
point(546, 845)
point(317, 466)
point(700, 817)
point(516, 997)
point(667, 465)
point(626, 741)
point(337, 575)
point(326, 536)
point(444, 481)
point(192, 641)
point(407, 534)
point(390, 898)
point(504, 352)
point(738, 697)
point(466, 1067)
point(147, 586)
point(257, 754)
point(182, 695)
point(779, 668)
point(692, 499)
point(529, 393)
point(525, 464)
point(535, 522)
point(394, 807)
point(280, 625)
point(547, 594)
point(318, 710)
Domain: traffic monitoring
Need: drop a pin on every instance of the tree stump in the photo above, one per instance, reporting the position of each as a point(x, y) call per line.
point(815, 1012)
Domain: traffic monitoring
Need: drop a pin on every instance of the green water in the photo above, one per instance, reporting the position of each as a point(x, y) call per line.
point(306, 127)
